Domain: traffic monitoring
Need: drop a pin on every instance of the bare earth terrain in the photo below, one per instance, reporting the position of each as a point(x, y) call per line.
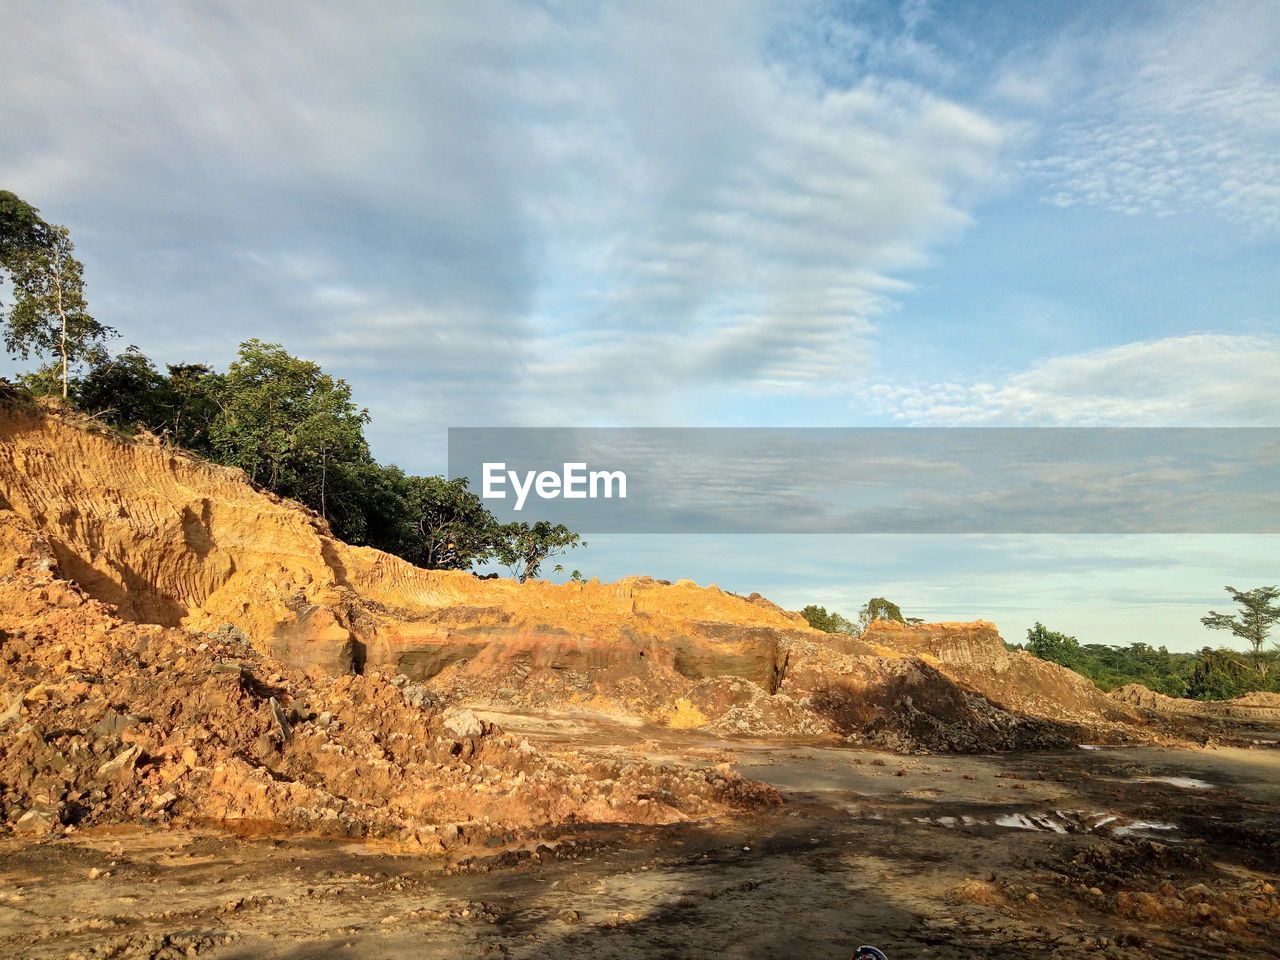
point(1110, 852)
point(225, 734)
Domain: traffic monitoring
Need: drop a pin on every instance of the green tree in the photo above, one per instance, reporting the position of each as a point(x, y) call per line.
point(1220, 675)
point(878, 608)
point(1259, 612)
point(820, 619)
point(1053, 646)
point(454, 528)
point(127, 390)
point(46, 381)
point(50, 316)
point(523, 547)
point(288, 424)
point(194, 389)
point(21, 227)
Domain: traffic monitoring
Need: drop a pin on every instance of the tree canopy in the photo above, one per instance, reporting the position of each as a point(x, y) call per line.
point(1053, 646)
point(286, 423)
point(49, 316)
point(878, 608)
point(523, 547)
point(832, 622)
point(1207, 674)
point(21, 227)
point(1258, 613)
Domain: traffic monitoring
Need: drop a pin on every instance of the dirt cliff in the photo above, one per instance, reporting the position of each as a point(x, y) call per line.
point(1260, 706)
point(164, 539)
point(171, 540)
point(974, 654)
point(104, 720)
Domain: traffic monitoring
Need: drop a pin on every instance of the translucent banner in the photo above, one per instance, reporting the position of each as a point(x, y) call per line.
point(944, 480)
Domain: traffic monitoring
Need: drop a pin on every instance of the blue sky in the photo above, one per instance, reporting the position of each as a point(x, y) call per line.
point(721, 213)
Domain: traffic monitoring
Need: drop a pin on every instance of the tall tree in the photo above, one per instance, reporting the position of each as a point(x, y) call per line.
point(49, 315)
point(287, 423)
point(1259, 613)
point(21, 227)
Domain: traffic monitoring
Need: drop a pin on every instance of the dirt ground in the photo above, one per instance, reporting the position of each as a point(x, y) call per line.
point(1111, 852)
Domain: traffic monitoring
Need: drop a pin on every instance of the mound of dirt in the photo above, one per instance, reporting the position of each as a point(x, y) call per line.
point(1260, 706)
point(165, 540)
point(107, 721)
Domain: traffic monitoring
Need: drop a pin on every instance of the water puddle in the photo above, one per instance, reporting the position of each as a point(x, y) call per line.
point(1053, 821)
point(1106, 746)
point(1187, 783)
point(1142, 828)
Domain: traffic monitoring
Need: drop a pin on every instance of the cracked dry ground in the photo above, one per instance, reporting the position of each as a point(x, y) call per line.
point(1086, 852)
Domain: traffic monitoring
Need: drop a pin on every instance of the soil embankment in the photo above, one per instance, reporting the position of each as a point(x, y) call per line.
point(163, 539)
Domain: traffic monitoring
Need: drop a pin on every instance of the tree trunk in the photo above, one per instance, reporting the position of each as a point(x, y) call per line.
point(324, 473)
point(62, 313)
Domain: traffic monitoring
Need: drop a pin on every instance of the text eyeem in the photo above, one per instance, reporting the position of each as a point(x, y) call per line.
point(574, 482)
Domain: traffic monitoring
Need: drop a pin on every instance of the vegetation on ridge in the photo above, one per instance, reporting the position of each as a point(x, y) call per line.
point(291, 427)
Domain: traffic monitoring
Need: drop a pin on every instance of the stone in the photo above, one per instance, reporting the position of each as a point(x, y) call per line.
point(40, 819)
point(123, 764)
point(283, 727)
point(464, 723)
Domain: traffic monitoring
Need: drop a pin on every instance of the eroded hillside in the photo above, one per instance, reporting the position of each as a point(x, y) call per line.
point(165, 539)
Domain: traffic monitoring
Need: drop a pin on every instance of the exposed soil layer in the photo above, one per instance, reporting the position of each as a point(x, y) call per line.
point(163, 539)
point(104, 721)
point(224, 733)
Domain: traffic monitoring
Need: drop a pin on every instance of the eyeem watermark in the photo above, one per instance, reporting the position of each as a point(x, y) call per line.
point(981, 480)
point(574, 482)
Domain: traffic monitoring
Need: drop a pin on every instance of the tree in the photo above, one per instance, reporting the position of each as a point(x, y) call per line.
point(1253, 622)
point(127, 390)
point(454, 528)
point(287, 423)
point(523, 547)
point(21, 227)
point(1219, 675)
point(1053, 646)
point(820, 619)
point(49, 315)
point(193, 389)
point(878, 608)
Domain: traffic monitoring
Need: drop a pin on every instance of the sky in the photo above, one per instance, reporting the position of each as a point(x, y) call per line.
point(741, 213)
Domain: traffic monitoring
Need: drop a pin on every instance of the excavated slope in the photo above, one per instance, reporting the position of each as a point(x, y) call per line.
point(169, 540)
point(1260, 706)
point(975, 654)
point(105, 721)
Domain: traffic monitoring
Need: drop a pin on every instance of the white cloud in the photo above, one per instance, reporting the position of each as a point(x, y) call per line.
point(1193, 380)
point(1178, 117)
point(510, 211)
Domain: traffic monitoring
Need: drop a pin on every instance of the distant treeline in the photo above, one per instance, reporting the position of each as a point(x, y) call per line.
point(1208, 674)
